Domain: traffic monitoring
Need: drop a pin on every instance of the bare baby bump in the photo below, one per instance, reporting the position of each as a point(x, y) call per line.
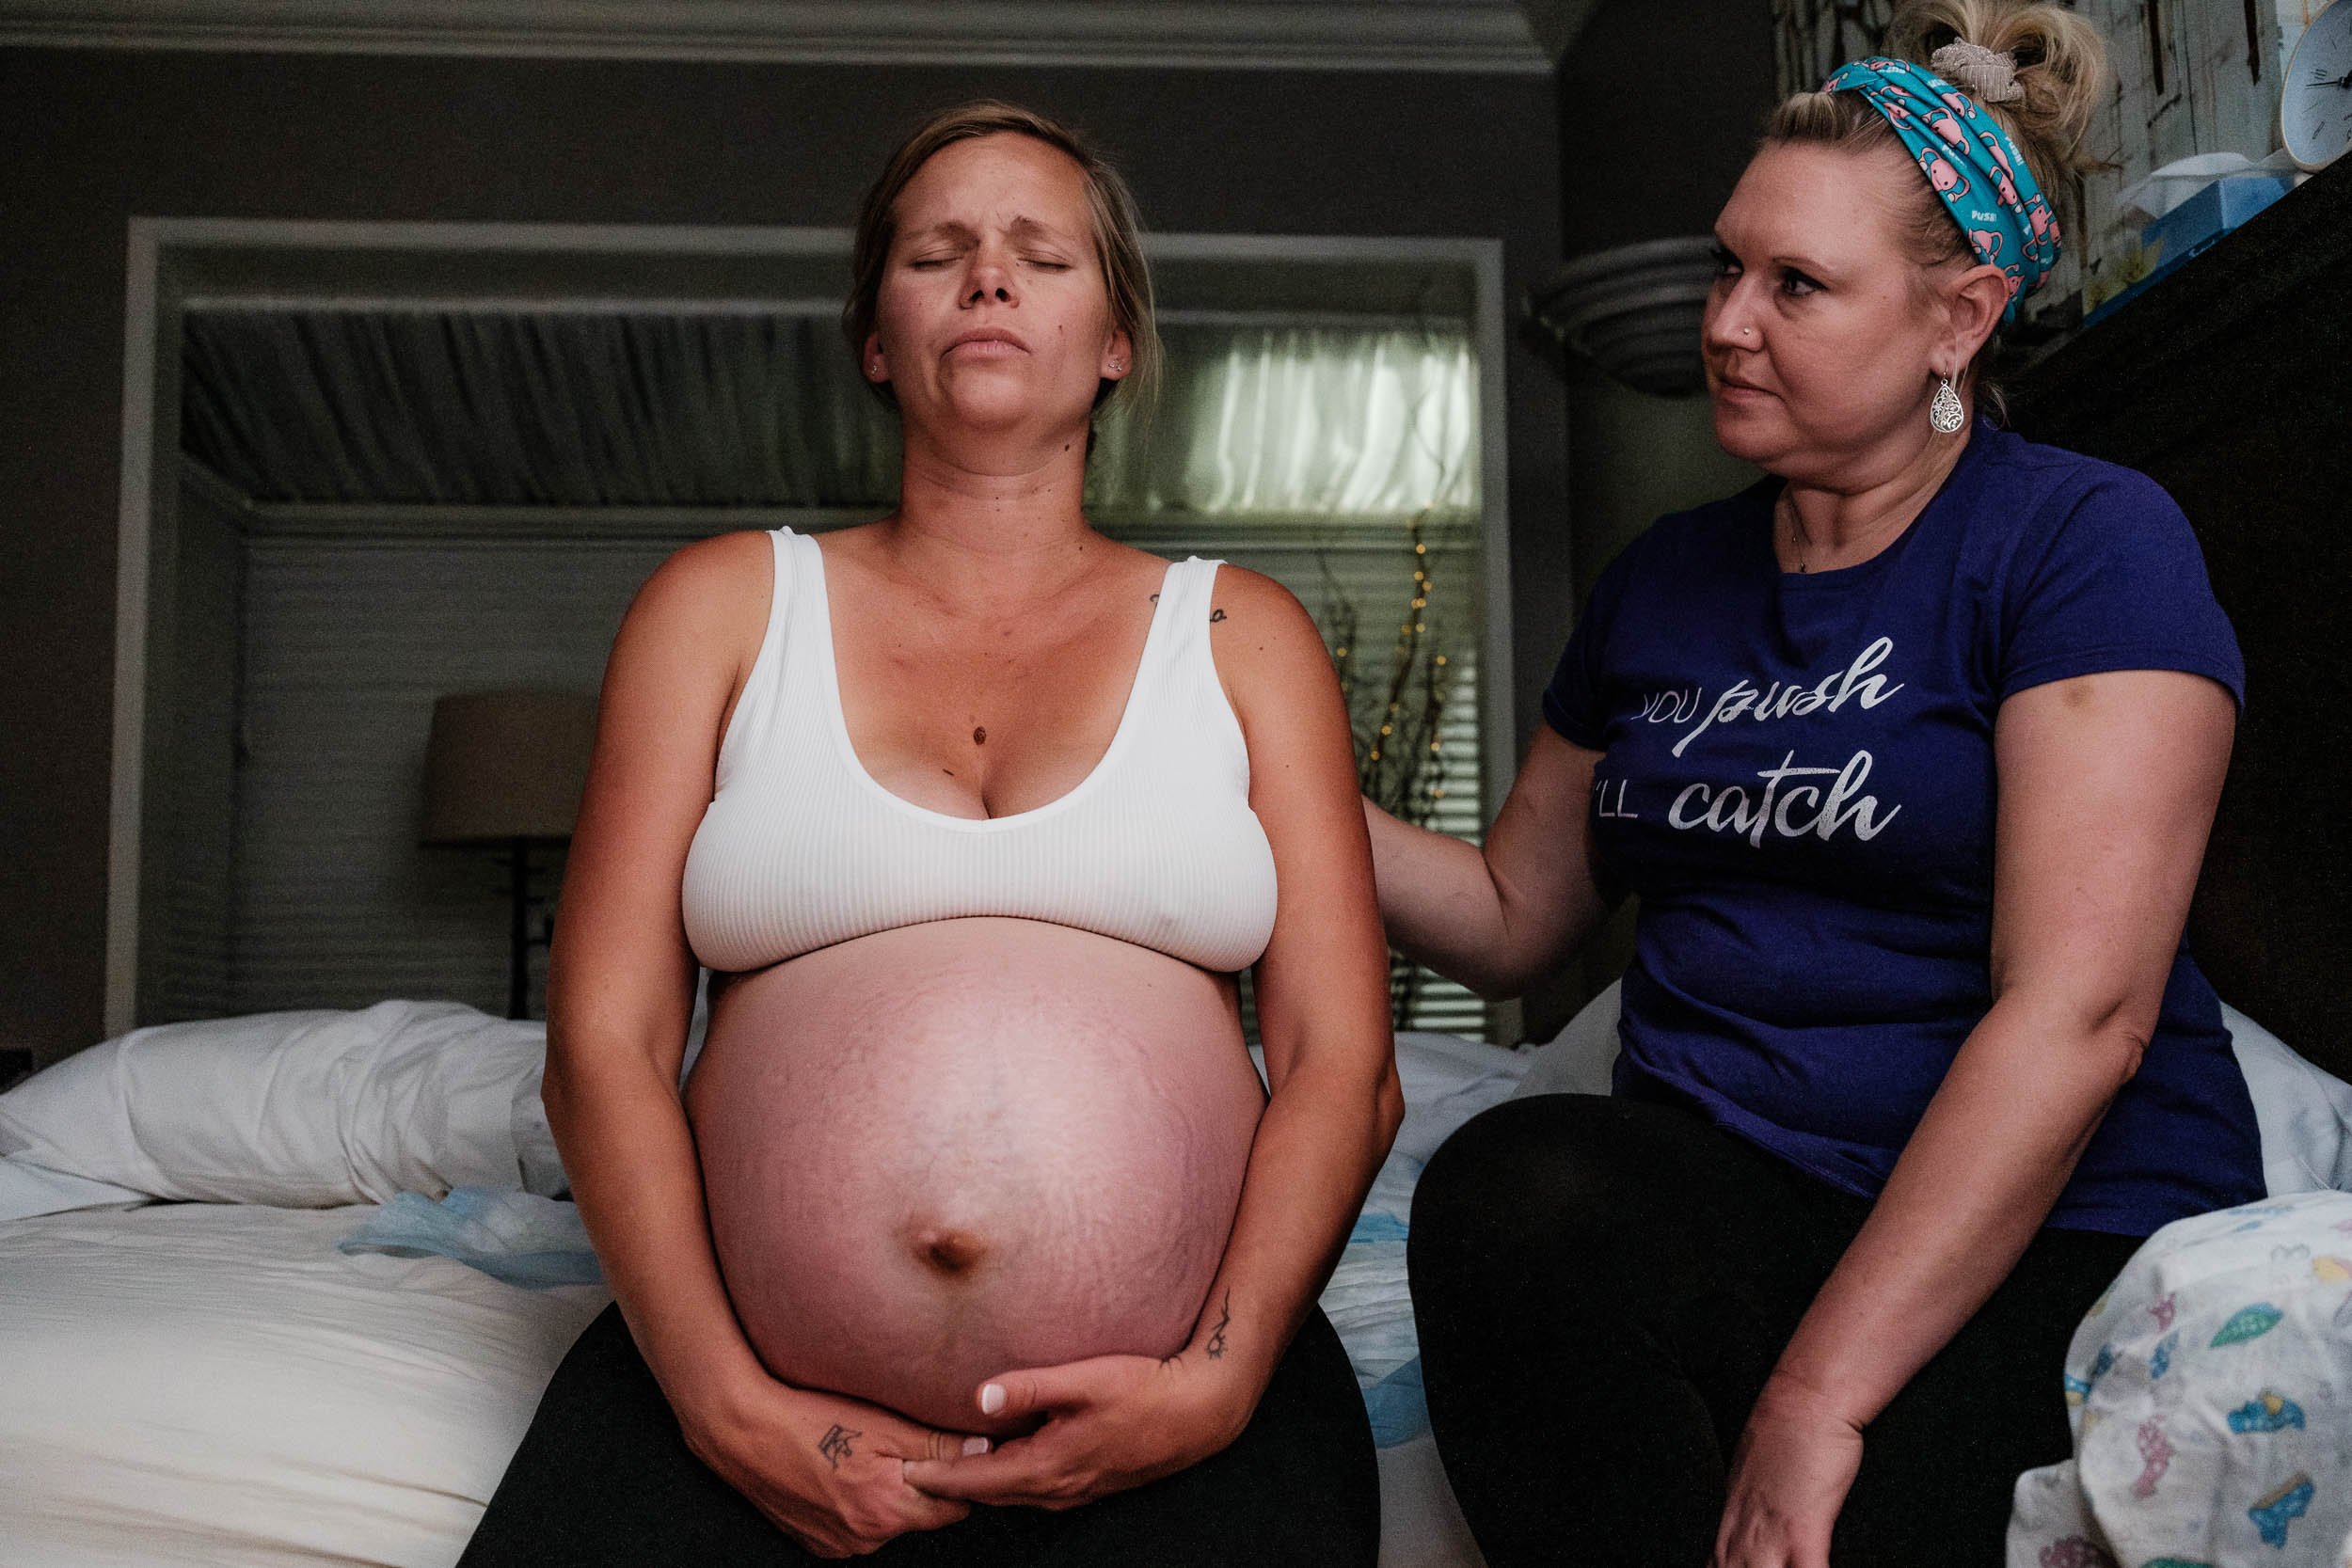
point(943, 1152)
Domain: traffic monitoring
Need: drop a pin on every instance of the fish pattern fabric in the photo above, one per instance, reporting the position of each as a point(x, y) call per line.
point(2209, 1392)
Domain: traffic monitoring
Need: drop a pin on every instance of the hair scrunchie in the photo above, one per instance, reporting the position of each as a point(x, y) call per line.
point(1971, 162)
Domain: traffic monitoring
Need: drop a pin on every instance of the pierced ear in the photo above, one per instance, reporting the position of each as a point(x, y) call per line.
point(872, 361)
point(1119, 356)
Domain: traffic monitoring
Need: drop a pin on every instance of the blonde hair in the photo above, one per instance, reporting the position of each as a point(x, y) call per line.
point(2062, 77)
point(1117, 239)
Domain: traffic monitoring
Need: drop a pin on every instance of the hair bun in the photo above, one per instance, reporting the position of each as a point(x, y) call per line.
point(2040, 67)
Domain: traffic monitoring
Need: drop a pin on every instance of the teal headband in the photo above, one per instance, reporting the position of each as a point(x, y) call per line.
point(1971, 162)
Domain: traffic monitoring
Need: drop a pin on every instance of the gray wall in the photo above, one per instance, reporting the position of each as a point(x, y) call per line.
point(1660, 106)
point(88, 139)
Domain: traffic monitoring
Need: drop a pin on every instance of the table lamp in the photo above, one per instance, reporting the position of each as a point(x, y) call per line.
point(507, 767)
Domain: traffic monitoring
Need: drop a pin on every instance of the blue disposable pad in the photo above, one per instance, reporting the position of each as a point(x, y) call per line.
point(515, 1236)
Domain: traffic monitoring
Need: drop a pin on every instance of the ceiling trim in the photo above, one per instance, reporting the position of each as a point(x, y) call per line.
point(1490, 36)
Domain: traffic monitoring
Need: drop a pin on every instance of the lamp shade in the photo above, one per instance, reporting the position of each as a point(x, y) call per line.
point(506, 764)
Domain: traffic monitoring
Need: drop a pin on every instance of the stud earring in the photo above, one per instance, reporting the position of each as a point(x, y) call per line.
point(1945, 412)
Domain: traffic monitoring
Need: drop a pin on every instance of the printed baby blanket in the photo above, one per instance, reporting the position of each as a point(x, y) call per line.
point(2211, 1396)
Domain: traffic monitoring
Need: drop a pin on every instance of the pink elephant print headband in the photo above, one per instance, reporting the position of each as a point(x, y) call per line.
point(1972, 164)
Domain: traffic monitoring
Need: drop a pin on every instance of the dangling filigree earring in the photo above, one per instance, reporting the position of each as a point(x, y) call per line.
point(1945, 412)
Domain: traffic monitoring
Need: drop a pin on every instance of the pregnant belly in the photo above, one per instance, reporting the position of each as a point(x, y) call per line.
point(954, 1149)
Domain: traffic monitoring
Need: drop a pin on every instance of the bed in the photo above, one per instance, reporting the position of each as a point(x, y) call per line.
point(235, 1327)
point(259, 1301)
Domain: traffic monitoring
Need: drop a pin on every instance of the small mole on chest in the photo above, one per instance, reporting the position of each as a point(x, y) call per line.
point(979, 737)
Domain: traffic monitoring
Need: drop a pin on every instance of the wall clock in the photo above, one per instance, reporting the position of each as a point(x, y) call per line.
point(2316, 104)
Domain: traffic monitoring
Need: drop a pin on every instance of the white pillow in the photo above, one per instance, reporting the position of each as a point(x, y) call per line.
point(298, 1110)
point(1446, 1080)
point(2303, 1113)
point(1580, 1058)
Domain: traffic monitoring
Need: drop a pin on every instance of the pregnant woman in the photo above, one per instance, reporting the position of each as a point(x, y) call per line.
point(973, 1198)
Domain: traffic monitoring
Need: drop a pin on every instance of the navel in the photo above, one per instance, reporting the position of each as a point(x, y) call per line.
point(949, 1249)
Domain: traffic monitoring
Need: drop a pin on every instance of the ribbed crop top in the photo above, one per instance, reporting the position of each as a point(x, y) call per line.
point(799, 848)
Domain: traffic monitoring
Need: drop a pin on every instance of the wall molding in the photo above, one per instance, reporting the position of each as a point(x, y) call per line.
point(1478, 35)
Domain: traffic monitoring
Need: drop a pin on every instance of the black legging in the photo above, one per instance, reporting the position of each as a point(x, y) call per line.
point(605, 1478)
point(1602, 1286)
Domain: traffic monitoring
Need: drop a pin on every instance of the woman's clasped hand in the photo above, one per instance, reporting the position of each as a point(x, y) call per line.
point(1090, 1428)
point(831, 1472)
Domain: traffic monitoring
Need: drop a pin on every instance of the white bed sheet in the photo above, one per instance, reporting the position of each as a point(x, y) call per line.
point(210, 1384)
point(215, 1384)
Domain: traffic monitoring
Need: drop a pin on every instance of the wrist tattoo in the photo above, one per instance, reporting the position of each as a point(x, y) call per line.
point(835, 1444)
point(1216, 1334)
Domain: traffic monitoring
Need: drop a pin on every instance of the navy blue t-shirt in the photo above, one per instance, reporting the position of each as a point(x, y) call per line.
point(1798, 781)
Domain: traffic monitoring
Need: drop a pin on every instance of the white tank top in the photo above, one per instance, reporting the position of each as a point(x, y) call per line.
point(799, 848)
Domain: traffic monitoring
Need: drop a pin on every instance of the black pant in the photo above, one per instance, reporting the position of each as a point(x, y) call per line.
point(1602, 1286)
point(604, 1476)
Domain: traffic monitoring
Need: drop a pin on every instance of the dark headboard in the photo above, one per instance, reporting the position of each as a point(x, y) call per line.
point(2230, 383)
